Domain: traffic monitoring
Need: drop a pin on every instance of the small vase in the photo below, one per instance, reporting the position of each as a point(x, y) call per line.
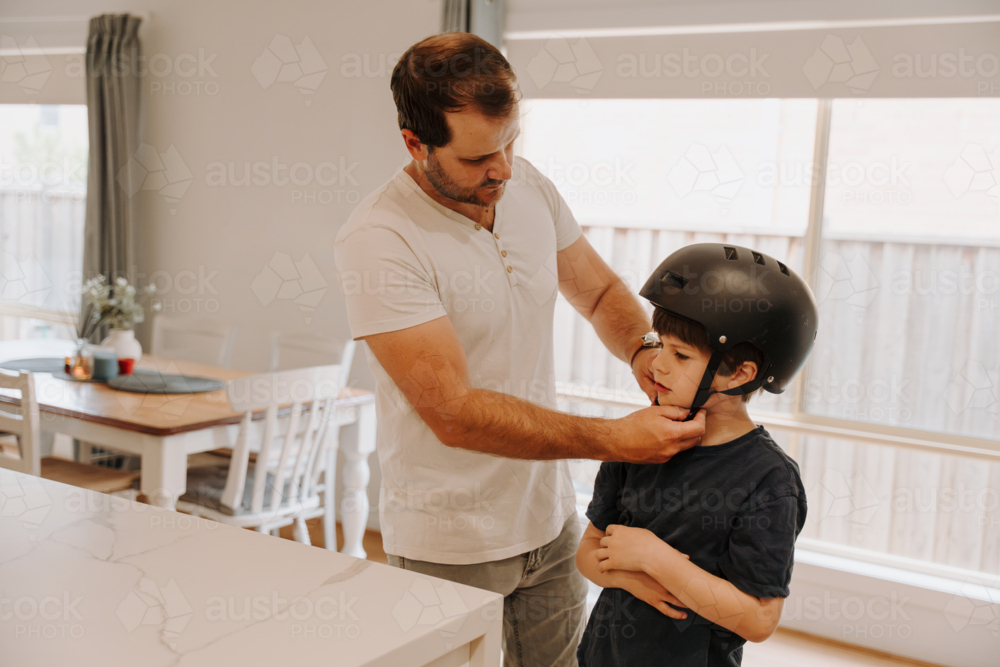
point(123, 341)
point(81, 365)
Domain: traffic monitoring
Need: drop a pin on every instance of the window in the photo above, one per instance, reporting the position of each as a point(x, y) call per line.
point(905, 266)
point(909, 270)
point(43, 181)
point(908, 281)
point(645, 177)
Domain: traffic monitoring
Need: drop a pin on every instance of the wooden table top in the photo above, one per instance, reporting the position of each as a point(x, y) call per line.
point(154, 414)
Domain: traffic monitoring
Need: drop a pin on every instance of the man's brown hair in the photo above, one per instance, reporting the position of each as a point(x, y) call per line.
point(694, 334)
point(449, 73)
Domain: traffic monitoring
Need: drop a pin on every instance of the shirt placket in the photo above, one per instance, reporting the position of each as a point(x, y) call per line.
point(508, 267)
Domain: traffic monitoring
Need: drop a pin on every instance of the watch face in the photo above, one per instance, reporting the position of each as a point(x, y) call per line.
point(651, 339)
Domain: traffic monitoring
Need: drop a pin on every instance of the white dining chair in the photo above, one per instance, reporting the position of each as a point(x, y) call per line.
point(278, 486)
point(299, 350)
point(21, 425)
point(203, 340)
point(32, 348)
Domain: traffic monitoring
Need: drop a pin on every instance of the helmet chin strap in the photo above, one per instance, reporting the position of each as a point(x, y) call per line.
point(705, 387)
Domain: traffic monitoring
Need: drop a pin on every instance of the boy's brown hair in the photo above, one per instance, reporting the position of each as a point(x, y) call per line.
point(694, 334)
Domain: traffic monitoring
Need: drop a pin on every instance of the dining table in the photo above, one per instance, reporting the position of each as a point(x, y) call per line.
point(93, 579)
point(163, 429)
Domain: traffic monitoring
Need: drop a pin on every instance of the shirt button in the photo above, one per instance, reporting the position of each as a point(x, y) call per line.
point(503, 253)
point(496, 235)
point(478, 226)
point(510, 270)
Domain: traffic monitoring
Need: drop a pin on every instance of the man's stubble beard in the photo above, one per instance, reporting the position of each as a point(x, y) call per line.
point(447, 187)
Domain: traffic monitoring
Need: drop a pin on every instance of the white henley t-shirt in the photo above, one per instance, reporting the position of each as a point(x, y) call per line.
point(404, 259)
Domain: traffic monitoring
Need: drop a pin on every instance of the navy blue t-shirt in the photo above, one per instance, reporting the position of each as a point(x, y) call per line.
point(734, 508)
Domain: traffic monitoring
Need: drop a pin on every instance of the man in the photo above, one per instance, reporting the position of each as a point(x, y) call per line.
point(450, 272)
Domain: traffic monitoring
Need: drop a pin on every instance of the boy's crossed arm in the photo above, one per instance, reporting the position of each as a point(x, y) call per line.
point(637, 550)
point(639, 584)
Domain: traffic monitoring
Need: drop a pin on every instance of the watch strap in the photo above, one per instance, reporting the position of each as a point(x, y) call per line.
point(635, 349)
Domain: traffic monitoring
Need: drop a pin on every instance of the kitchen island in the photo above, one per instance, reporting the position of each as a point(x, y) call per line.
point(92, 579)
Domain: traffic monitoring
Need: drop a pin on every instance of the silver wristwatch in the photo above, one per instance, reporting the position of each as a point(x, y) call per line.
point(651, 339)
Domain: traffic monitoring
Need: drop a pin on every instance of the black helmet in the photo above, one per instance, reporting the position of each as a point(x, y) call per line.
point(739, 295)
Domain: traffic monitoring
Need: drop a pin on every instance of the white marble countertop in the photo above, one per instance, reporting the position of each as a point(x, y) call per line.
point(90, 579)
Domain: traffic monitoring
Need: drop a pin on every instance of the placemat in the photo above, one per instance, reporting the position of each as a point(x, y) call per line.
point(139, 381)
point(153, 382)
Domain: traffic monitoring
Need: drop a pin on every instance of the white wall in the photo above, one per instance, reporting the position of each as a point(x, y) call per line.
point(224, 114)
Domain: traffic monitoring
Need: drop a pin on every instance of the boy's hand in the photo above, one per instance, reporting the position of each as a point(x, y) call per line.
point(652, 592)
point(625, 548)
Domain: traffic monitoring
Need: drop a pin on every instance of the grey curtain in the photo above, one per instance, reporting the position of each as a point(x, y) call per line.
point(484, 18)
point(455, 16)
point(113, 114)
point(113, 109)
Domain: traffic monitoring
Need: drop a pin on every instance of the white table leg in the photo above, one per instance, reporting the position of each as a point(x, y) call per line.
point(329, 498)
point(485, 651)
point(354, 506)
point(86, 452)
point(46, 439)
point(164, 472)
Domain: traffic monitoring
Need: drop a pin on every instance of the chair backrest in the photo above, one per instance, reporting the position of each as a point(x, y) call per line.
point(203, 340)
point(290, 444)
point(21, 421)
point(300, 350)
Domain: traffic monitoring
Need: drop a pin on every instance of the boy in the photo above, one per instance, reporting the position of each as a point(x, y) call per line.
point(695, 554)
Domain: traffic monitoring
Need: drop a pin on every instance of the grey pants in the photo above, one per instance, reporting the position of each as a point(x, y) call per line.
point(544, 598)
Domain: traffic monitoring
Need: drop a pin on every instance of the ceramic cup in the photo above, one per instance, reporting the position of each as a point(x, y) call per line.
point(105, 364)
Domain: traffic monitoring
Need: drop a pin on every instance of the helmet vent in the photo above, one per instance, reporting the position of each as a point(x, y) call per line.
point(674, 279)
point(731, 253)
point(758, 258)
point(783, 268)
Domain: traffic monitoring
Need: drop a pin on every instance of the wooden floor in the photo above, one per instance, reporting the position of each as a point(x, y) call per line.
point(786, 648)
point(371, 542)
